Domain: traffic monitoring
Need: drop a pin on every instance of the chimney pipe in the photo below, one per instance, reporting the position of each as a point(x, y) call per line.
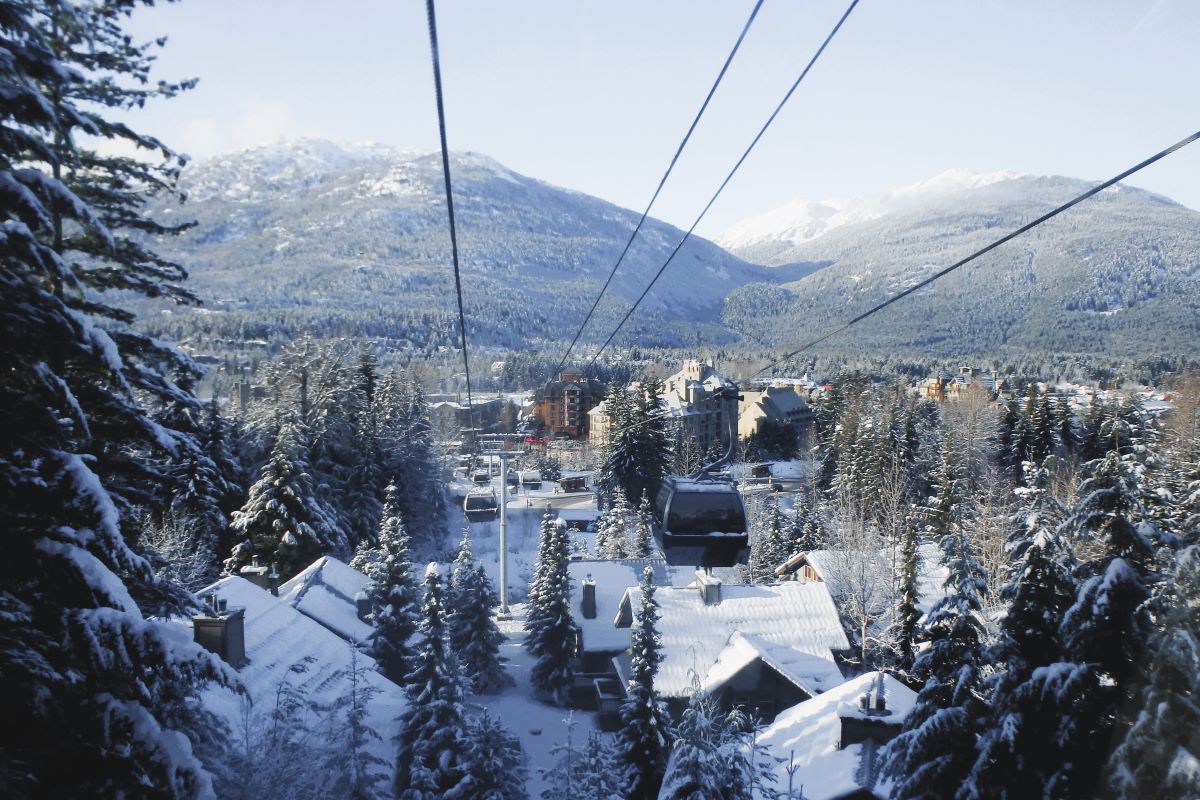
point(588, 603)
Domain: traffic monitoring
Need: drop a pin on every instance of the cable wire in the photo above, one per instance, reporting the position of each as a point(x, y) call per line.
point(1161, 154)
point(728, 178)
point(661, 183)
point(441, 109)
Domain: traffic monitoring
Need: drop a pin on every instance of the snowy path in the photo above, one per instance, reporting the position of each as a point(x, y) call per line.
point(540, 726)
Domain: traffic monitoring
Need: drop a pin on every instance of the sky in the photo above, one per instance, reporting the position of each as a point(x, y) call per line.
point(595, 95)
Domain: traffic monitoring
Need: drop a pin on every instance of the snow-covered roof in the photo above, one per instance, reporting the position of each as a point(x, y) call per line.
point(810, 733)
point(813, 674)
point(797, 616)
point(326, 592)
point(283, 645)
point(612, 579)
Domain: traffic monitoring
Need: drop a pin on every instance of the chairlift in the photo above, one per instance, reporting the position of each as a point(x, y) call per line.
point(480, 505)
point(699, 520)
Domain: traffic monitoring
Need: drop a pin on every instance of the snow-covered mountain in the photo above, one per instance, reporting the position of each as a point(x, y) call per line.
point(310, 229)
point(802, 221)
point(1119, 273)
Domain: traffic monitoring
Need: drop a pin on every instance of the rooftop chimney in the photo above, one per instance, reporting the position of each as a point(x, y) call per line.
point(710, 587)
point(588, 603)
point(221, 630)
point(263, 577)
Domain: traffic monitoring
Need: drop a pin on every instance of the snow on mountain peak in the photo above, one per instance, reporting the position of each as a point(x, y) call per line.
point(803, 220)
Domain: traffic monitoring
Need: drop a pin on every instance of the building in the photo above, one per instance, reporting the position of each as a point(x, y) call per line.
point(694, 399)
point(773, 405)
point(761, 648)
point(967, 383)
point(285, 648)
point(562, 406)
point(839, 568)
point(832, 741)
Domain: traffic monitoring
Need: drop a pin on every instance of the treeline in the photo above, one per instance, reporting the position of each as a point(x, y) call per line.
point(300, 471)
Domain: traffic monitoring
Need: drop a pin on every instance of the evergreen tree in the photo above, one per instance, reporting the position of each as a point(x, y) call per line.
point(644, 740)
point(935, 750)
point(552, 636)
point(361, 775)
point(653, 450)
point(1104, 634)
point(1013, 761)
point(87, 681)
point(283, 515)
point(494, 762)
point(643, 538)
point(395, 599)
point(431, 746)
point(1064, 424)
point(693, 771)
point(474, 635)
point(612, 535)
point(619, 461)
point(767, 547)
point(1161, 750)
point(907, 599)
point(595, 778)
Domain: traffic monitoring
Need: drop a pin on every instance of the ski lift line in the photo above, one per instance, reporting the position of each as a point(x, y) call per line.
point(753, 143)
point(1161, 154)
point(662, 182)
point(441, 110)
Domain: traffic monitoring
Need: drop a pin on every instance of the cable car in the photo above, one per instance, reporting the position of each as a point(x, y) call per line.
point(701, 522)
point(480, 505)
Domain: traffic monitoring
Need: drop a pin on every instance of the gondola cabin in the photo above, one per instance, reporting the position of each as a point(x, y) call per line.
point(701, 522)
point(480, 505)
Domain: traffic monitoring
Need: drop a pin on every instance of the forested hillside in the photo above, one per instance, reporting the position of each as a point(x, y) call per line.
point(332, 240)
point(1117, 275)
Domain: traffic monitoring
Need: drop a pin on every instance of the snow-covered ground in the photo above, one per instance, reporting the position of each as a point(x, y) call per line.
point(541, 727)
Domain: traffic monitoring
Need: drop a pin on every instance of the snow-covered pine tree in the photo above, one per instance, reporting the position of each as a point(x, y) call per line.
point(1064, 424)
point(474, 635)
point(409, 457)
point(768, 549)
point(283, 514)
point(395, 598)
point(362, 478)
point(907, 599)
point(87, 681)
point(652, 451)
point(594, 777)
point(693, 770)
point(1160, 754)
point(619, 458)
point(644, 741)
point(1092, 692)
point(612, 537)
point(935, 751)
point(552, 637)
point(494, 762)
point(360, 774)
point(1013, 760)
point(643, 537)
point(431, 752)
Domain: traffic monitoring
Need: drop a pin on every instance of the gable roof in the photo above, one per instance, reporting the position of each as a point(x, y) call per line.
point(797, 616)
point(810, 733)
point(812, 674)
point(285, 646)
point(325, 591)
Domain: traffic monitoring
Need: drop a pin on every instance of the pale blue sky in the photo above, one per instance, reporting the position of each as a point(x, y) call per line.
point(595, 95)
